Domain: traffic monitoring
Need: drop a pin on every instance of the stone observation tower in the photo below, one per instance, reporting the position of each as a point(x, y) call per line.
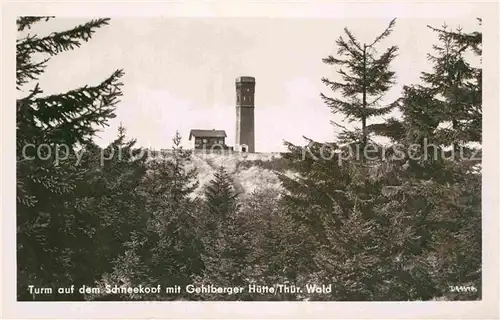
point(245, 132)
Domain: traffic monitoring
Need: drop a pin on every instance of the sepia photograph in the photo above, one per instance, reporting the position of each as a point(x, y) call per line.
point(249, 159)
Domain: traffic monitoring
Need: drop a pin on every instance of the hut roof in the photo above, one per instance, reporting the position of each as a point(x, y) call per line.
point(207, 133)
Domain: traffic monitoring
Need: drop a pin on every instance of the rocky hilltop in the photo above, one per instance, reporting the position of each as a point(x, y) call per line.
point(248, 170)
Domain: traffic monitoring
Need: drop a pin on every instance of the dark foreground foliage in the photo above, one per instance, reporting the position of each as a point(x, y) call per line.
point(391, 228)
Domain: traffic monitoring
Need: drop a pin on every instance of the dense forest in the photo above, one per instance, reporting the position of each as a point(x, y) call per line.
point(389, 225)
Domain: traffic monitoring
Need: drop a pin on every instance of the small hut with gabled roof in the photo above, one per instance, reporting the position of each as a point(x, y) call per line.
point(209, 139)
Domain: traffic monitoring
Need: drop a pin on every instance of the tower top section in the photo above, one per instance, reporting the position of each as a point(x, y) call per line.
point(245, 79)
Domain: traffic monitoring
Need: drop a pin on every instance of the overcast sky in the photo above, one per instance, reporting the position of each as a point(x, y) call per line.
point(180, 72)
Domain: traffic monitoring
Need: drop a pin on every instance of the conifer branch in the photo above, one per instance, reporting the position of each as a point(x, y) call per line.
point(332, 60)
point(471, 40)
point(346, 48)
point(353, 40)
point(85, 106)
point(60, 41)
point(337, 105)
point(384, 34)
point(27, 21)
point(334, 85)
point(28, 71)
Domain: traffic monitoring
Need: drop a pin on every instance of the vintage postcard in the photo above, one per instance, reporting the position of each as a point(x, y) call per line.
point(250, 160)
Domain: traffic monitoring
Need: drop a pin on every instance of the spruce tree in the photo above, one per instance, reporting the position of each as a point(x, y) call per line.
point(226, 240)
point(168, 251)
point(109, 194)
point(220, 195)
point(341, 204)
point(50, 234)
point(466, 265)
point(119, 204)
point(450, 93)
point(280, 250)
point(391, 230)
point(431, 186)
point(453, 84)
point(366, 77)
point(454, 89)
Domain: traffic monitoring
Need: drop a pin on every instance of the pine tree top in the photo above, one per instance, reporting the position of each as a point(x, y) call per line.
point(71, 117)
point(366, 77)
